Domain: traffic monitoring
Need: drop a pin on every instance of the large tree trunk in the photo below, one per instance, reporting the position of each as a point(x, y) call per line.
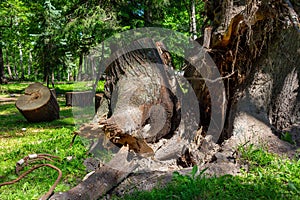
point(258, 56)
point(141, 110)
point(38, 104)
point(257, 53)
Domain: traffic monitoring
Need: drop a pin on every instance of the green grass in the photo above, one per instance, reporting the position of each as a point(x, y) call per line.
point(13, 88)
point(18, 138)
point(78, 86)
point(47, 137)
point(269, 177)
point(18, 88)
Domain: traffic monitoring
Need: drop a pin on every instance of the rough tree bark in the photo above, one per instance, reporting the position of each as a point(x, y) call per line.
point(248, 39)
point(99, 98)
point(139, 91)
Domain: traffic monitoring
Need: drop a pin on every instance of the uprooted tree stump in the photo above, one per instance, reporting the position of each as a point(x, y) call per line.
point(84, 98)
point(38, 104)
point(139, 107)
point(258, 99)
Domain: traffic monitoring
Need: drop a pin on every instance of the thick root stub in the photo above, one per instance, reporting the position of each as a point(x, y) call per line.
point(38, 104)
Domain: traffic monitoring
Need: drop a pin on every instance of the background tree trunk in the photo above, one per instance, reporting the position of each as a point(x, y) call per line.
point(29, 63)
point(15, 65)
point(1, 62)
point(80, 67)
point(193, 20)
point(21, 62)
point(8, 65)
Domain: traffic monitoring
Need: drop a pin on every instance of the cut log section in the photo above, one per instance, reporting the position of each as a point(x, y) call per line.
point(38, 104)
point(84, 98)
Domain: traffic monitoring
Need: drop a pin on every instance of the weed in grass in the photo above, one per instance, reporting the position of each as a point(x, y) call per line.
point(288, 138)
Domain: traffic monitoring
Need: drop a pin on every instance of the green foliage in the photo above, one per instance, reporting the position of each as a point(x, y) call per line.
point(51, 37)
point(56, 33)
point(12, 12)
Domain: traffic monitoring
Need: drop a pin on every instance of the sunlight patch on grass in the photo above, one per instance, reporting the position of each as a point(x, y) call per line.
point(61, 88)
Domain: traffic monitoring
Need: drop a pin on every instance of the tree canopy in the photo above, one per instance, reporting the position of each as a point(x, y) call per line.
point(48, 39)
